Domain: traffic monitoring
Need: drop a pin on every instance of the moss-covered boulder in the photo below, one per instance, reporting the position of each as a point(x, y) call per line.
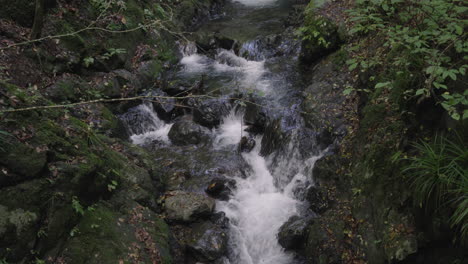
point(18, 231)
point(108, 236)
point(24, 161)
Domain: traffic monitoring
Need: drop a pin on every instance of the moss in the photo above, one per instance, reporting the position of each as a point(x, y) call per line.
point(106, 236)
point(21, 159)
point(161, 234)
point(95, 239)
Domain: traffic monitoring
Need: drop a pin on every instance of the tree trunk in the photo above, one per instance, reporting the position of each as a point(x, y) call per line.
point(38, 20)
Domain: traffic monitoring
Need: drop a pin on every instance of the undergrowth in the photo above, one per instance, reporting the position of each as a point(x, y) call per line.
point(422, 40)
point(439, 177)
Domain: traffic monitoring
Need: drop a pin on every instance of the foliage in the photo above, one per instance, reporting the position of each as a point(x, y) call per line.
point(77, 207)
point(104, 6)
point(316, 29)
point(423, 38)
point(88, 61)
point(439, 175)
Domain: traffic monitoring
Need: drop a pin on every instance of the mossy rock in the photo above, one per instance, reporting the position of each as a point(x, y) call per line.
point(17, 232)
point(21, 159)
point(107, 236)
point(69, 89)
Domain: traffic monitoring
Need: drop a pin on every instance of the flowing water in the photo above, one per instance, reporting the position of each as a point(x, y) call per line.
point(274, 186)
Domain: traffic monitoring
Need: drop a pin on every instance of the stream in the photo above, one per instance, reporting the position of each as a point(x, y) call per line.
point(271, 179)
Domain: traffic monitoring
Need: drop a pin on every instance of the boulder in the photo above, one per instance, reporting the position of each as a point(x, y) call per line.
point(183, 206)
point(186, 132)
point(22, 161)
point(208, 242)
point(273, 138)
point(209, 113)
point(19, 228)
point(182, 87)
point(140, 119)
point(166, 107)
point(318, 199)
point(220, 220)
point(293, 233)
point(221, 188)
point(69, 88)
point(108, 236)
point(246, 144)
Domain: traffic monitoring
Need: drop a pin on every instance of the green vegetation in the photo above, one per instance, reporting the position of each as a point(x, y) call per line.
point(439, 176)
point(423, 41)
point(317, 30)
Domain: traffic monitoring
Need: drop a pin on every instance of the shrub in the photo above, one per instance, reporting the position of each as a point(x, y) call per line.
point(424, 38)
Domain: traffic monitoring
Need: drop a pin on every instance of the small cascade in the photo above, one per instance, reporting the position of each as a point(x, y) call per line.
point(145, 126)
point(270, 189)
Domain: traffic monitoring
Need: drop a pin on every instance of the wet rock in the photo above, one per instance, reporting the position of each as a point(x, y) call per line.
point(273, 138)
point(148, 73)
point(183, 206)
point(220, 220)
point(318, 199)
point(221, 188)
point(246, 144)
point(139, 119)
point(224, 42)
point(182, 87)
point(208, 242)
point(166, 107)
point(292, 234)
point(255, 118)
point(186, 132)
point(210, 113)
point(175, 179)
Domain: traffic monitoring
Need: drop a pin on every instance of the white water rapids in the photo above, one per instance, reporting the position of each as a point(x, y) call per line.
point(264, 200)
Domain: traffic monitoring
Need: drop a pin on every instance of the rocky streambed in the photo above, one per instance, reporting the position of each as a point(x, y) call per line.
point(240, 154)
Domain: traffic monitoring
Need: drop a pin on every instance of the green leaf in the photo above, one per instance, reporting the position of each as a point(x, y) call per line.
point(88, 61)
point(465, 114)
point(348, 91)
point(382, 84)
point(420, 91)
point(455, 116)
point(353, 66)
point(439, 85)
